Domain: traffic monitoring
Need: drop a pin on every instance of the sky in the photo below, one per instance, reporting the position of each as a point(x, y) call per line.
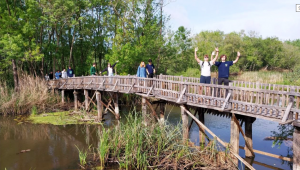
point(268, 18)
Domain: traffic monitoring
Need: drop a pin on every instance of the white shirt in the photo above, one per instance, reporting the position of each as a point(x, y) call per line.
point(110, 71)
point(64, 74)
point(205, 68)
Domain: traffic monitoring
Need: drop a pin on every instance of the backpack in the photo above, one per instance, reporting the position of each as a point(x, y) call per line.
point(203, 63)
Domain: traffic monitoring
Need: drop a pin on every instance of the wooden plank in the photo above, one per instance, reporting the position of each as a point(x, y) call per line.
point(270, 154)
point(181, 94)
point(287, 112)
point(130, 88)
point(226, 101)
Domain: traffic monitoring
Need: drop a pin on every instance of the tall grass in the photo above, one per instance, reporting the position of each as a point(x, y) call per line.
point(33, 91)
point(134, 145)
point(262, 77)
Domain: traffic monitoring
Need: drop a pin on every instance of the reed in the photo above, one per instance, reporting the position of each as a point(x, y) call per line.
point(33, 91)
point(262, 77)
point(134, 145)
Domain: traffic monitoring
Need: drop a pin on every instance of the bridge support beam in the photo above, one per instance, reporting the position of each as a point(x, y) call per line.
point(248, 136)
point(201, 129)
point(99, 106)
point(185, 124)
point(116, 103)
point(162, 113)
point(75, 100)
point(234, 137)
point(144, 111)
point(296, 148)
point(63, 96)
point(86, 99)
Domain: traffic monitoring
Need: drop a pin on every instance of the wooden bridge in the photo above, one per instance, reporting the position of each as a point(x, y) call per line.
point(247, 100)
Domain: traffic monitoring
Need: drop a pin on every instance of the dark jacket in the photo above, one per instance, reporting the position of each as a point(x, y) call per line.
point(112, 66)
point(70, 72)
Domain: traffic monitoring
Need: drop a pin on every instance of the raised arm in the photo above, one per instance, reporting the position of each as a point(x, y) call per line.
point(217, 54)
point(196, 58)
point(114, 64)
point(237, 58)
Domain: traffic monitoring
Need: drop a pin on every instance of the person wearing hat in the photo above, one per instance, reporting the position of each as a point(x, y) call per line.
point(150, 69)
point(223, 68)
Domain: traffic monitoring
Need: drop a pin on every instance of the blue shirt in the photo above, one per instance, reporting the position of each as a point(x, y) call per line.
point(224, 68)
point(57, 75)
point(150, 68)
point(141, 72)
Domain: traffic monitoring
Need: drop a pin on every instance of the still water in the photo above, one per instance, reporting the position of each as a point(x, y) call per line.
point(54, 147)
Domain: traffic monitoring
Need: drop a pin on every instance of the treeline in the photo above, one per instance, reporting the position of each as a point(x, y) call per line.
point(40, 36)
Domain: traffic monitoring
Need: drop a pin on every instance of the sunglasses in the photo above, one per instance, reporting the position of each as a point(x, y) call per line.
point(205, 57)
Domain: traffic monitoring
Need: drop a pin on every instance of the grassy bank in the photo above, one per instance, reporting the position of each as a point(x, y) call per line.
point(134, 145)
point(62, 118)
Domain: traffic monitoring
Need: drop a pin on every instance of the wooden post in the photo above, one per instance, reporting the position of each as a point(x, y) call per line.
point(257, 94)
point(75, 100)
point(63, 96)
point(117, 111)
point(296, 148)
point(162, 113)
point(144, 111)
point(185, 124)
point(234, 137)
point(99, 106)
point(86, 99)
point(248, 134)
point(201, 129)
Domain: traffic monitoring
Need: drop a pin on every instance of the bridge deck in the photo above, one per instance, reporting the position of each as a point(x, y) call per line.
point(267, 101)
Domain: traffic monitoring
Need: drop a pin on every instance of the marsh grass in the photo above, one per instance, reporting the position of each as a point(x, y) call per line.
point(134, 145)
point(262, 77)
point(33, 92)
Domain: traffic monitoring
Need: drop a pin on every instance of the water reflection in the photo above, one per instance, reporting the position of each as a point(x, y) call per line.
point(53, 147)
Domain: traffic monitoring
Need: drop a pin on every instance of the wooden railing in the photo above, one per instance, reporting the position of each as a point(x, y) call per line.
point(278, 105)
point(257, 85)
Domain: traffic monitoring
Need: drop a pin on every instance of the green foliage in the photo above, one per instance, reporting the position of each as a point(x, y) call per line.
point(43, 36)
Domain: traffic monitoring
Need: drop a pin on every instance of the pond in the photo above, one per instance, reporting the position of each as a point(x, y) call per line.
point(55, 147)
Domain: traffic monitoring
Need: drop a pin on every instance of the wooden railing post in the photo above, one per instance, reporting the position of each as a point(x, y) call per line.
point(296, 148)
point(257, 93)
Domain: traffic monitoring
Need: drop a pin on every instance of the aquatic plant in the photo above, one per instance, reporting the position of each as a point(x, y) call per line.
point(134, 145)
point(82, 156)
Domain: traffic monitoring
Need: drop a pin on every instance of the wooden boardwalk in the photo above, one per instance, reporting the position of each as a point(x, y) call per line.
point(278, 103)
point(240, 100)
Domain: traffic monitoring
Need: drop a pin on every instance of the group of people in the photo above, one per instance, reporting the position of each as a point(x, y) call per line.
point(64, 74)
point(223, 67)
point(147, 71)
point(143, 69)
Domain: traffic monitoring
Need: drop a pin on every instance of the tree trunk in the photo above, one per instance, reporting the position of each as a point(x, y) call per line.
point(16, 76)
